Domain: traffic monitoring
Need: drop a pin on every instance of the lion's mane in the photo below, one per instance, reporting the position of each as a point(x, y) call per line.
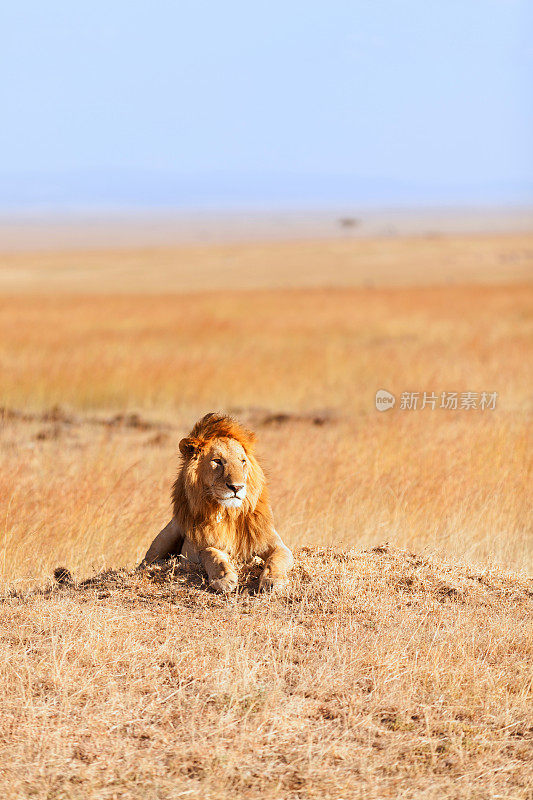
point(239, 531)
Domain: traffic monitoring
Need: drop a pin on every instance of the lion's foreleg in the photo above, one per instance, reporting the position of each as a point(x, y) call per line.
point(278, 561)
point(221, 574)
point(165, 543)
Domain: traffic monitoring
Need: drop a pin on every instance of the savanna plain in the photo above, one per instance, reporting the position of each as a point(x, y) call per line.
point(398, 661)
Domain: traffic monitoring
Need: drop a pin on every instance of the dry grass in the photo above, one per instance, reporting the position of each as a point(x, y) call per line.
point(293, 350)
point(378, 674)
point(406, 261)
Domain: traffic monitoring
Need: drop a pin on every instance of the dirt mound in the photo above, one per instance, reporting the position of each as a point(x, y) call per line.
point(333, 579)
point(383, 670)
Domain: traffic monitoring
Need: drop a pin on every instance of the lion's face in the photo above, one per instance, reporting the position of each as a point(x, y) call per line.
point(223, 471)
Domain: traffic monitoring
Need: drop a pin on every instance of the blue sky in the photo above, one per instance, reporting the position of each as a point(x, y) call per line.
point(272, 103)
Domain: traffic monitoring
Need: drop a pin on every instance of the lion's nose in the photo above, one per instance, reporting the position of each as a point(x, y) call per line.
point(235, 487)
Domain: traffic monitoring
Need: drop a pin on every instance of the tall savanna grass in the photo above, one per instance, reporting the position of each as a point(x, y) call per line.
point(451, 481)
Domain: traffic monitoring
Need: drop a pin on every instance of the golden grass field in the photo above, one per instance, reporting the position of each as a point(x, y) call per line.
point(383, 671)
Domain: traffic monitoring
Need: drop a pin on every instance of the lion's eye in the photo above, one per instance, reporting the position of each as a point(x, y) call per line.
point(218, 462)
point(243, 460)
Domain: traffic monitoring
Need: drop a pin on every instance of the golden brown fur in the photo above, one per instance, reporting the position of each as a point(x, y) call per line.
point(221, 507)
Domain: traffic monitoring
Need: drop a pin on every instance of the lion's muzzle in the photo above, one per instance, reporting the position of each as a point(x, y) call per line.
point(234, 498)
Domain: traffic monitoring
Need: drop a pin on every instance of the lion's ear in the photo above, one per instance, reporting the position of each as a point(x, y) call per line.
point(187, 447)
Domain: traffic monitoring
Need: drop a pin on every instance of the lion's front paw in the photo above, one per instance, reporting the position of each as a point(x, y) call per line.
point(268, 583)
point(224, 585)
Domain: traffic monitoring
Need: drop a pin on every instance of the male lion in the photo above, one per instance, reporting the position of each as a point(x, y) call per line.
point(221, 507)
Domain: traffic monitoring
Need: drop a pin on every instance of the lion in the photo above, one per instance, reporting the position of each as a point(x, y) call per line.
point(221, 508)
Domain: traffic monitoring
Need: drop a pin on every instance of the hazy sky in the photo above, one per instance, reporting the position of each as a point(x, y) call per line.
point(179, 102)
